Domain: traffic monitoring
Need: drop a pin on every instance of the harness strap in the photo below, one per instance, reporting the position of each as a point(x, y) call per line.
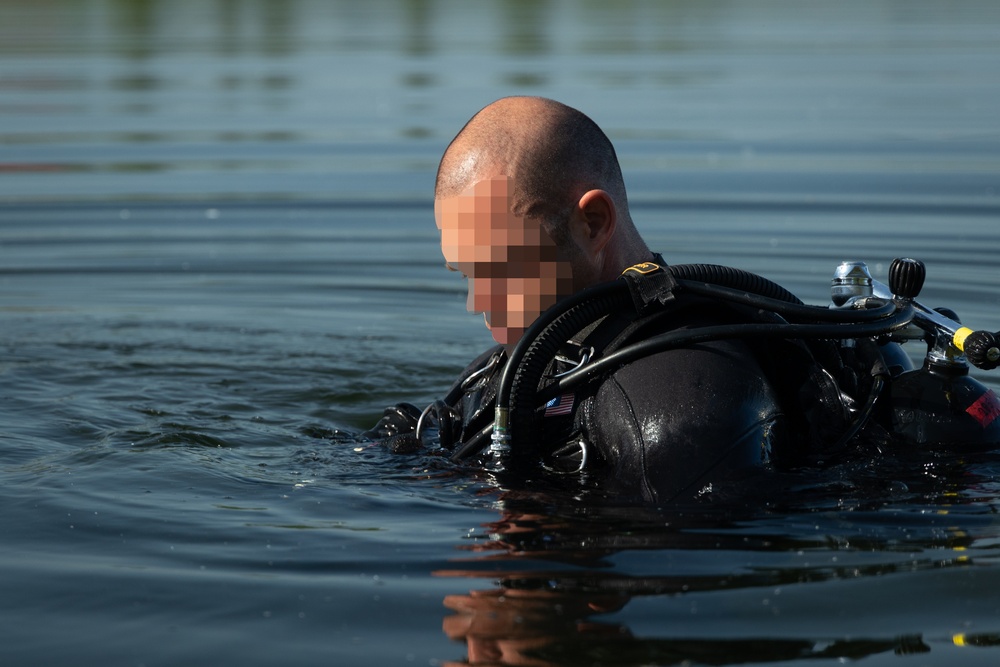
point(650, 285)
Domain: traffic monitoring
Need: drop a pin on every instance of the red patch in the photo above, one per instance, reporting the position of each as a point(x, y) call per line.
point(986, 409)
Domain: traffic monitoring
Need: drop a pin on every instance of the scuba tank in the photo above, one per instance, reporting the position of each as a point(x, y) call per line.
point(938, 404)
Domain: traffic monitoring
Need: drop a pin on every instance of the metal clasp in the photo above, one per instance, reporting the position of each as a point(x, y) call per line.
point(586, 354)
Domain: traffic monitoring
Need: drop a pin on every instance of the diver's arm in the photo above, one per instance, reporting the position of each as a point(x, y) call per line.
point(676, 421)
point(397, 428)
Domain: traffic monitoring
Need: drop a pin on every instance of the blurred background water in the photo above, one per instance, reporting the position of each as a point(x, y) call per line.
point(218, 259)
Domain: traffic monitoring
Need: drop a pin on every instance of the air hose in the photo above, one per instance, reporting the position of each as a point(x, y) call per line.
point(676, 339)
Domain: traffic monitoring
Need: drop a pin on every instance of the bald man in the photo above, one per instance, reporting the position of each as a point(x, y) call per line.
point(532, 184)
point(532, 208)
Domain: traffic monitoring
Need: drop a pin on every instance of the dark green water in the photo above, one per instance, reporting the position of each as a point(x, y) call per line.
point(217, 255)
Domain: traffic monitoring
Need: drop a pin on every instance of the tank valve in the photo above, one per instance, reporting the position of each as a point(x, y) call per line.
point(851, 280)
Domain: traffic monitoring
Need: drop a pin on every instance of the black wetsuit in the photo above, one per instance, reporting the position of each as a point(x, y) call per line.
point(688, 415)
point(664, 426)
point(668, 425)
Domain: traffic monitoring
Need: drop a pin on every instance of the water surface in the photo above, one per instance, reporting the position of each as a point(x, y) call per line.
point(218, 261)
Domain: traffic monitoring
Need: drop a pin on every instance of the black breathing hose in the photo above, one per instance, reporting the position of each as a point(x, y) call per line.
point(792, 311)
point(683, 338)
point(538, 344)
point(737, 279)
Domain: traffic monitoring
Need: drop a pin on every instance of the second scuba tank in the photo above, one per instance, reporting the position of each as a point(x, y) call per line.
point(939, 404)
point(942, 405)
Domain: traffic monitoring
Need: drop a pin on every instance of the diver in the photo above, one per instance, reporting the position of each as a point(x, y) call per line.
point(533, 212)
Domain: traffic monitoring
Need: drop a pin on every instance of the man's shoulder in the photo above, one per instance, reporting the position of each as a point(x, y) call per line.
point(719, 373)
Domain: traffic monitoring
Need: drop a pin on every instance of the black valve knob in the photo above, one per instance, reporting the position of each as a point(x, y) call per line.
point(982, 349)
point(906, 277)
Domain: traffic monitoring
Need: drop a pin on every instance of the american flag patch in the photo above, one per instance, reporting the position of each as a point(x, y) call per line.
point(560, 405)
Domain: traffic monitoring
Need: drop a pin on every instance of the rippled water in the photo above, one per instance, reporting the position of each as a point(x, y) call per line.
point(217, 261)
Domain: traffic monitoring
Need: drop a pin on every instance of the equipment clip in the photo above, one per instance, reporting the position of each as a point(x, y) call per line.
point(650, 286)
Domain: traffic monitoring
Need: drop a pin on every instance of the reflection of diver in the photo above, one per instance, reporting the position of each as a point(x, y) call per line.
point(659, 382)
point(509, 626)
point(541, 612)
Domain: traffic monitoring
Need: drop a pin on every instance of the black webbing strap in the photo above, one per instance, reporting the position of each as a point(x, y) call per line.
point(651, 286)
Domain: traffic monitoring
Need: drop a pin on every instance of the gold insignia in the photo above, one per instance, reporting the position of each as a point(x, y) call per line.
point(643, 268)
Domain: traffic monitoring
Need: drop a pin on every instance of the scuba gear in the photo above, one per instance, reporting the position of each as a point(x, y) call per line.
point(860, 316)
point(645, 287)
point(634, 295)
point(837, 370)
point(939, 404)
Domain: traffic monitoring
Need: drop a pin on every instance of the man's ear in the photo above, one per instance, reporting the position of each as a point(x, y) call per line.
point(596, 218)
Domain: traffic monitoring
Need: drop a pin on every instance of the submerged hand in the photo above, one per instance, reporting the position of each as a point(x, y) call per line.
point(397, 428)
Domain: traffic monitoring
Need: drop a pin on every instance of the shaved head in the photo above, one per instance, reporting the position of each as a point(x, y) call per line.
point(531, 206)
point(551, 152)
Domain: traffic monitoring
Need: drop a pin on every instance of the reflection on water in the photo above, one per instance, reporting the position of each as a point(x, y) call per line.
point(564, 582)
point(127, 98)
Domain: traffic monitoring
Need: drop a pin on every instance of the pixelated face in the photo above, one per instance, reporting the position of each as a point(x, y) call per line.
point(514, 270)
